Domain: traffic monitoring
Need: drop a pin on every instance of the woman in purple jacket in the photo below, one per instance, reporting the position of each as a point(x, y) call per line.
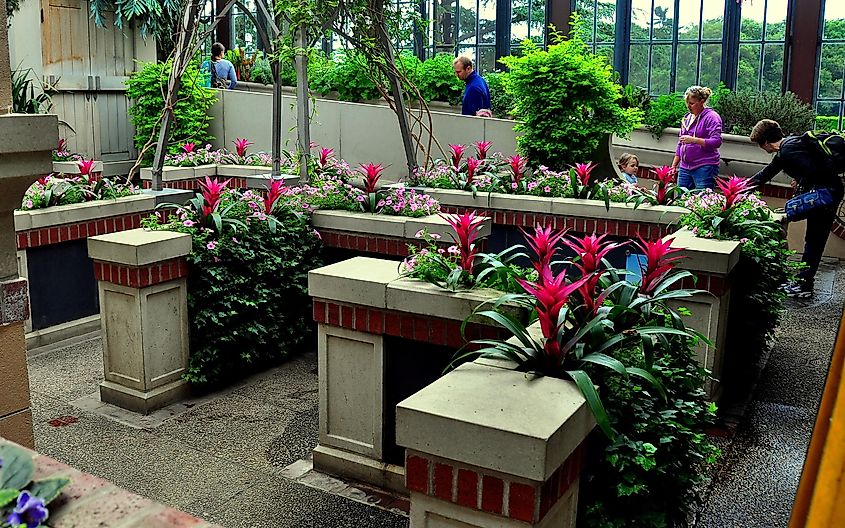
point(697, 153)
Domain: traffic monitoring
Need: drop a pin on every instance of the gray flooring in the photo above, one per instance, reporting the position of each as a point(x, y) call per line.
point(240, 457)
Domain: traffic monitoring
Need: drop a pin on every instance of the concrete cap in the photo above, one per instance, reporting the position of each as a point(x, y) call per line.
point(139, 247)
point(20, 133)
point(519, 424)
point(380, 225)
point(437, 224)
point(359, 280)
point(705, 254)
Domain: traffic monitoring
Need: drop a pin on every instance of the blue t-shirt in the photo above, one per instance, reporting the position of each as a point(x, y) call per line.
point(476, 95)
point(224, 70)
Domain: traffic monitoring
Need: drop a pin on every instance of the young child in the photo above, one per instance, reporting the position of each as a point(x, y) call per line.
point(629, 164)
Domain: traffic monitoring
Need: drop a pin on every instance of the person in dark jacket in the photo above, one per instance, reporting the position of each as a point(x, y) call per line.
point(810, 170)
point(476, 94)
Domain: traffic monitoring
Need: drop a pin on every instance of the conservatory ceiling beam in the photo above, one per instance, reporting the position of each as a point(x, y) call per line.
point(805, 29)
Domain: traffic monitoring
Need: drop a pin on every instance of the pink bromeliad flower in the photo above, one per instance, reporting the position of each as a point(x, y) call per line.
point(325, 155)
point(472, 166)
point(552, 295)
point(188, 148)
point(274, 191)
point(62, 145)
point(590, 249)
point(482, 147)
point(665, 177)
point(372, 174)
point(241, 144)
point(544, 244)
point(212, 190)
point(734, 189)
point(457, 154)
point(583, 171)
point(85, 167)
point(517, 165)
point(467, 227)
point(658, 262)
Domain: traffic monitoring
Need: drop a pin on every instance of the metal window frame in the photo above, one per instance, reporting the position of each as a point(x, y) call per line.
point(762, 42)
point(817, 98)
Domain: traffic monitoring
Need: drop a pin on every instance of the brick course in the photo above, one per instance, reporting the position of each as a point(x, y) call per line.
point(141, 276)
point(77, 231)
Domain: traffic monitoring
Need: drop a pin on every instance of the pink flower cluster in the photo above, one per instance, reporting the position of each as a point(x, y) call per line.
point(407, 202)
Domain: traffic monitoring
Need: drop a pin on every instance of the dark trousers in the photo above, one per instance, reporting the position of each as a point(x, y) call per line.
point(819, 224)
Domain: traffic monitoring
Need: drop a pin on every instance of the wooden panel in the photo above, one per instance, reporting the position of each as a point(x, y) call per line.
point(64, 38)
point(75, 110)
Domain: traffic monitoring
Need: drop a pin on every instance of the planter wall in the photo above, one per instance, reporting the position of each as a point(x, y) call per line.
point(52, 255)
point(187, 178)
point(71, 168)
point(380, 339)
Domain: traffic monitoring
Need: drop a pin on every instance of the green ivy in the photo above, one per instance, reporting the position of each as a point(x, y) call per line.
point(567, 100)
point(146, 88)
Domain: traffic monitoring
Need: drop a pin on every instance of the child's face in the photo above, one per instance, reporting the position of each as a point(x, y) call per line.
point(631, 167)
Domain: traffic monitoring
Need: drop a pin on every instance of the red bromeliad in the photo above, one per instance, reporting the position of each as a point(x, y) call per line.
point(189, 147)
point(212, 190)
point(517, 165)
point(481, 147)
point(544, 244)
point(372, 173)
point(276, 189)
point(552, 295)
point(658, 262)
point(62, 145)
point(325, 155)
point(472, 166)
point(583, 171)
point(591, 249)
point(85, 167)
point(467, 227)
point(241, 144)
point(457, 154)
point(734, 189)
point(665, 177)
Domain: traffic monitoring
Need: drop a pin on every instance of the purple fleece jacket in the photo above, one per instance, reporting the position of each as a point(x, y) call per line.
point(708, 125)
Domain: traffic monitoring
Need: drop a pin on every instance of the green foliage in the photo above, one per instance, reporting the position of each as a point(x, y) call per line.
point(261, 72)
point(635, 97)
point(24, 98)
point(567, 101)
point(146, 88)
point(347, 75)
point(50, 190)
point(435, 78)
point(247, 287)
point(649, 475)
point(501, 101)
point(665, 111)
point(827, 123)
point(740, 112)
point(156, 17)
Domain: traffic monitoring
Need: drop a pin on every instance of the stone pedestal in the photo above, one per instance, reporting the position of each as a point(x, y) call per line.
point(491, 447)
point(144, 316)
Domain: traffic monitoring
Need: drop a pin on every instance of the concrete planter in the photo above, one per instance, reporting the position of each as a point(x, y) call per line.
point(82, 212)
point(523, 464)
point(71, 168)
point(386, 225)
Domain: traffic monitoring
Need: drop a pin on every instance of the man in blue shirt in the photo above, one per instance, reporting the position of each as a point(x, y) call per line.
point(476, 94)
point(224, 70)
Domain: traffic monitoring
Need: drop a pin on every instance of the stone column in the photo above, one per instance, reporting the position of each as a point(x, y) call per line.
point(144, 316)
point(25, 144)
point(488, 446)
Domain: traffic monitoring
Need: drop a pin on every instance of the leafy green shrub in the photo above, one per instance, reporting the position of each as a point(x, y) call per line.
point(664, 112)
point(567, 101)
point(24, 98)
point(648, 476)
point(436, 80)
point(146, 88)
point(261, 72)
point(348, 76)
point(634, 96)
point(501, 101)
point(827, 123)
point(740, 111)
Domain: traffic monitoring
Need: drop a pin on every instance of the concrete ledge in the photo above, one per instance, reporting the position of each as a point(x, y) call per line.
point(350, 465)
point(706, 255)
point(138, 247)
point(241, 171)
point(419, 297)
point(72, 167)
point(521, 203)
point(454, 197)
point(82, 212)
point(144, 402)
point(60, 332)
point(435, 224)
point(25, 133)
point(653, 214)
point(360, 280)
point(167, 195)
point(521, 426)
point(380, 225)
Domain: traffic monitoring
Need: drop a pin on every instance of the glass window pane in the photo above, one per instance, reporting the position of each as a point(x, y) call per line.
point(486, 59)
point(776, 19)
point(834, 20)
point(606, 51)
point(751, 27)
point(663, 19)
point(587, 14)
point(773, 68)
point(468, 22)
point(487, 21)
point(605, 21)
point(638, 65)
point(748, 72)
point(661, 58)
point(831, 70)
point(828, 115)
point(687, 74)
point(537, 22)
point(713, 15)
point(444, 25)
point(711, 62)
point(689, 18)
point(640, 19)
point(519, 21)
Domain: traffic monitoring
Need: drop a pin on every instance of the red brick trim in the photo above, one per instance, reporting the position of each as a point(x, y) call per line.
point(66, 232)
point(394, 246)
point(192, 184)
point(14, 301)
point(142, 276)
point(416, 327)
point(482, 490)
point(718, 285)
point(620, 228)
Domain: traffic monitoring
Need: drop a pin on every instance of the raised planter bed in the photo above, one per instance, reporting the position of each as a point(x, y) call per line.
point(72, 168)
point(187, 178)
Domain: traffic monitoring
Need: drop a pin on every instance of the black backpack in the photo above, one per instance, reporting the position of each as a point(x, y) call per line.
point(217, 82)
point(829, 148)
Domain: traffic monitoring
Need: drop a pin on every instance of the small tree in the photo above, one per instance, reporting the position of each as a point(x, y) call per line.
point(567, 100)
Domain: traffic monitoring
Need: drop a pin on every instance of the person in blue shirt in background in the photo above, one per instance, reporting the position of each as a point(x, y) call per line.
point(476, 94)
point(224, 69)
